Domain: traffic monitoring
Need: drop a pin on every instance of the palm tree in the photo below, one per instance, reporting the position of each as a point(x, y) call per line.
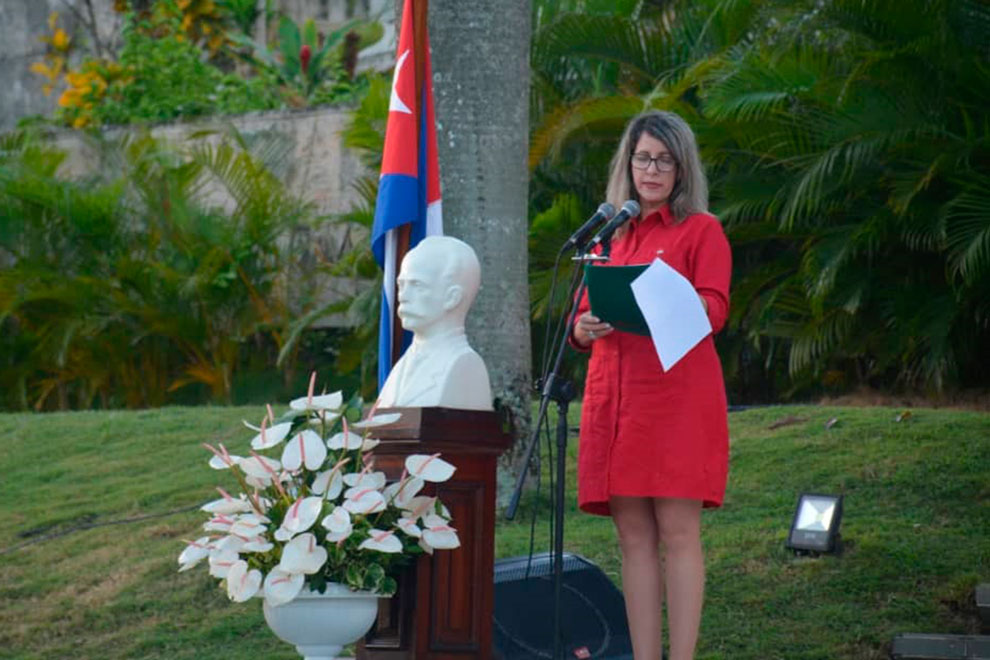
point(847, 145)
point(480, 63)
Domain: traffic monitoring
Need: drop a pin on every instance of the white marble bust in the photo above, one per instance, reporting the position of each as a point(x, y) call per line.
point(437, 283)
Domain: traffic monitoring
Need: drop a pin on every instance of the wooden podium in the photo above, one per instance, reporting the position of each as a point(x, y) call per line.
point(443, 609)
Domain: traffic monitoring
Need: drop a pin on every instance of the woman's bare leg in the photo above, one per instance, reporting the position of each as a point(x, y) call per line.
point(679, 526)
point(642, 578)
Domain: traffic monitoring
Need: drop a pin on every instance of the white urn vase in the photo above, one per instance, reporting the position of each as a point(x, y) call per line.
point(321, 625)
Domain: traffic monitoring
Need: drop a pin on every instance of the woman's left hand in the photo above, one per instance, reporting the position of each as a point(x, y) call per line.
point(589, 328)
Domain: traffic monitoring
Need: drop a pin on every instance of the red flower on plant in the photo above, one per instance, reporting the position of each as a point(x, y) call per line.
point(305, 53)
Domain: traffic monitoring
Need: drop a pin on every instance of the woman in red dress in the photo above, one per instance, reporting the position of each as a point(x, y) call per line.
point(654, 444)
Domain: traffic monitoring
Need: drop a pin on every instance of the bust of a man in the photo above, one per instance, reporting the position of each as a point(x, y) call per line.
point(437, 283)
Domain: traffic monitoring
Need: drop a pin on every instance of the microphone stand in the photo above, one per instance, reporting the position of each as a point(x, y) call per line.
point(562, 392)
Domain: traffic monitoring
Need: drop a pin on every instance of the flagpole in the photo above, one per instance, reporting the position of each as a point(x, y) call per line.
point(403, 233)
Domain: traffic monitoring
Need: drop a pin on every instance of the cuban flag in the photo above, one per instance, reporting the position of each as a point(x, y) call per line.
point(409, 188)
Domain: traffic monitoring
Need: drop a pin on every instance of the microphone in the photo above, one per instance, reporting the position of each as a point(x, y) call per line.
point(629, 210)
point(580, 237)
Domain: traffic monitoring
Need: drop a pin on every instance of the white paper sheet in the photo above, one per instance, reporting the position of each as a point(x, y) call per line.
point(672, 310)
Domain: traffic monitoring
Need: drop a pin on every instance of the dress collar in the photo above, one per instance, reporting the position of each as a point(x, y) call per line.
point(661, 215)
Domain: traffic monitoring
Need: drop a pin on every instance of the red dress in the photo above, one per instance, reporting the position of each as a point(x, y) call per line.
point(646, 432)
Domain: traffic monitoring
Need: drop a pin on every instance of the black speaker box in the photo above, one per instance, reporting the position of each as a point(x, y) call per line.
point(593, 615)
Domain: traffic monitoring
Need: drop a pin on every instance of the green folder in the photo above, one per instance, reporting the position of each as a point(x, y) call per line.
point(611, 296)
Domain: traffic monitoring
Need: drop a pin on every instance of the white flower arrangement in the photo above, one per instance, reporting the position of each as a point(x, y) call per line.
point(318, 513)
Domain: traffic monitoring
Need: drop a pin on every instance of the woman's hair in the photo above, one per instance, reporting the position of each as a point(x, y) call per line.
point(690, 193)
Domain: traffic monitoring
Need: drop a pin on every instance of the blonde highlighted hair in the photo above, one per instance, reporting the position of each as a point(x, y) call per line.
point(690, 193)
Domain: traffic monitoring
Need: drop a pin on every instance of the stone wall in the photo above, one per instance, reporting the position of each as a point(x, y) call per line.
point(317, 168)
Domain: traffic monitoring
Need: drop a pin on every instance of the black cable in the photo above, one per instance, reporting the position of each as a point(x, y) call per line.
point(80, 528)
point(536, 502)
point(547, 352)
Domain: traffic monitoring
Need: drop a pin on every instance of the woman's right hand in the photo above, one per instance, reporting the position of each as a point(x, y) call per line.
point(588, 328)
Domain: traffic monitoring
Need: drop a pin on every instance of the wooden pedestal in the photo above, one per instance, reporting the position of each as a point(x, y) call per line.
point(443, 610)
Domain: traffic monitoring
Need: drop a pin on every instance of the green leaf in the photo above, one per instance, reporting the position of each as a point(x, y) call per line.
point(388, 587)
point(289, 42)
point(354, 574)
point(309, 34)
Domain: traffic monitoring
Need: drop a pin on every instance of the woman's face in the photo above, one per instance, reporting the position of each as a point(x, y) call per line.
point(652, 185)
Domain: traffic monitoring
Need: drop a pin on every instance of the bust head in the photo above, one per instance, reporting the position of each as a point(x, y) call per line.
point(437, 282)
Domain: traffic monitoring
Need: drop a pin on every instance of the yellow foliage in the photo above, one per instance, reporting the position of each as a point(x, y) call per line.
point(86, 87)
point(51, 69)
point(60, 40)
point(59, 44)
point(201, 21)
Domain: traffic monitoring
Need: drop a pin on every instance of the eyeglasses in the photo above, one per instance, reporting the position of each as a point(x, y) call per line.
point(641, 161)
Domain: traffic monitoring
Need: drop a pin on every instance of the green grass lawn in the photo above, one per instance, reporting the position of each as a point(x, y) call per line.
point(916, 527)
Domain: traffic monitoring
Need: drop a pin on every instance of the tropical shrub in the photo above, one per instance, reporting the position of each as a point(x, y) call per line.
point(309, 68)
point(159, 75)
point(137, 284)
point(177, 60)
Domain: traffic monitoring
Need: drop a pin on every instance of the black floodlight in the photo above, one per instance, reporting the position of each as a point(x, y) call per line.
point(816, 524)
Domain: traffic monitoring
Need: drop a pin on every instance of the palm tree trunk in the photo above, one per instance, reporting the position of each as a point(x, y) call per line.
point(481, 87)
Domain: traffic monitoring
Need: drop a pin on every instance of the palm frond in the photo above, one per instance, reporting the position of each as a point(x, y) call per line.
point(967, 229)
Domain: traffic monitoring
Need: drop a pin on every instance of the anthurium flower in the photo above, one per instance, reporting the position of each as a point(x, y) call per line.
point(268, 438)
point(323, 402)
point(376, 421)
point(218, 463)
point(328, 483)
point(419, 507)
point(242, 583)
point(402, 492)
point(260, 467)
point(363, 500)
point(248, 526)
point(346, 440)
point(438, 534)
point(317, 403)
point(257, 544)
point(228, 544)
point(429, 468)
point(269, 417)
point(221, 459)
point(323, 417)
point(381, 541)
point(281, 587)
point(303, 555)
point(374, 480)
point(307, 449)
point(300, 517)
point(221, 562)
point(409, 526)
point(219, 523)
point(257, 482)
point(338, 524)
point(194, 553)
point(228, 505)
